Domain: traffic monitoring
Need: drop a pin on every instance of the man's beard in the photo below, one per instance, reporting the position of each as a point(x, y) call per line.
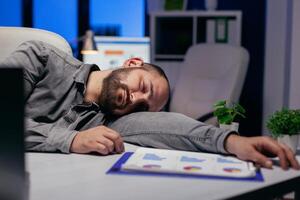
point(108, 99)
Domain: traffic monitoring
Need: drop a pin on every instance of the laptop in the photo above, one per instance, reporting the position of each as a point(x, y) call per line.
point(12, 169)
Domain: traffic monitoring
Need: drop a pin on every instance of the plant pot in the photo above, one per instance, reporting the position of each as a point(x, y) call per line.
point(234, 126)
point(289, 140)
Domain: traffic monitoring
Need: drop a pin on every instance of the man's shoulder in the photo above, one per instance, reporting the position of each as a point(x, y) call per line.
point(39, 45)
point(45, 49)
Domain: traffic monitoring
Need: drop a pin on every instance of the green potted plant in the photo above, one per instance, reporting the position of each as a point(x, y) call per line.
point(227, 113)
point(285, 127)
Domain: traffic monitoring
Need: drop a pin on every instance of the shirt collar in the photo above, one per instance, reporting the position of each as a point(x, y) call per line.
point(82, 74)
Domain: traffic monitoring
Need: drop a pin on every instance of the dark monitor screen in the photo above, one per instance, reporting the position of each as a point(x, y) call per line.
point(12, 173)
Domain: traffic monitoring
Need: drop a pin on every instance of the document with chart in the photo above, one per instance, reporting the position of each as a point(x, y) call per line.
point(184, 162)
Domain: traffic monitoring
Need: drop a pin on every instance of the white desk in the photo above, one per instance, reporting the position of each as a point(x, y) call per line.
point(61, 177)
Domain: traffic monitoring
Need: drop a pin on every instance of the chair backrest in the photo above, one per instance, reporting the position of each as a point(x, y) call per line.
point(12, 37)
point(210, 72)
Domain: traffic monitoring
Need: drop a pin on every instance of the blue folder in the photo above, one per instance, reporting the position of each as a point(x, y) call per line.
point(117, 169)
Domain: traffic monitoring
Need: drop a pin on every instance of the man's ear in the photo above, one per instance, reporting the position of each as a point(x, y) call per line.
point(133, 62)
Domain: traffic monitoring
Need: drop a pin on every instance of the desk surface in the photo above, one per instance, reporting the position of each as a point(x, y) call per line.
point(74, 176)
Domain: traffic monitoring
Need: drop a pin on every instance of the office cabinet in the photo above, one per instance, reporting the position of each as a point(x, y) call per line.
point(173, 32)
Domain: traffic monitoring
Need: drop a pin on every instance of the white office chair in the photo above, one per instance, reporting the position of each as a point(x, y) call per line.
point(12, 37)
point(210, 72)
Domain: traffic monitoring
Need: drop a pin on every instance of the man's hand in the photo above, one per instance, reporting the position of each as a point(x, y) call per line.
point(98, 139)
point(257, 148)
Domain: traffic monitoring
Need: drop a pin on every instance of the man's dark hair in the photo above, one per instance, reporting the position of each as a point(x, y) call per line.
point(158, 69)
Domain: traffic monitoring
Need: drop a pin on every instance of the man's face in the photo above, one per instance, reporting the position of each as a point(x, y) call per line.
point(133, 89)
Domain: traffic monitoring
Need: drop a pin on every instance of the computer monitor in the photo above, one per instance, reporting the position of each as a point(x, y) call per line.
point(113, 51)
point(12, 173)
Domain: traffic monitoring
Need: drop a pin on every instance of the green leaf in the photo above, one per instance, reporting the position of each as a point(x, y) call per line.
point(239, 109)
point(226, 119)
point(220, 111)
point(226, 114)
point(221, 103)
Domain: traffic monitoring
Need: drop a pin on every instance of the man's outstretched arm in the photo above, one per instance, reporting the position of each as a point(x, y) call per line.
point(177, 131)
point(170, 131)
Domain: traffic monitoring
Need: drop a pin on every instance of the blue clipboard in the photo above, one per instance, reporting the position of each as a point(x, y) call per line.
point(117, 170)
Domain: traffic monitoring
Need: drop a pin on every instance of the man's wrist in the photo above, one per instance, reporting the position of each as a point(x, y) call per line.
point(230, 142)
point(71, 140)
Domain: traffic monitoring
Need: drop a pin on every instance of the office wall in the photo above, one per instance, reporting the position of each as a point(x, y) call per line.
point(275, 57)
point(282, 61)
point(253, 39)
point(294, 96)
point(128, 15)
point(56, 16)
point(10, 13)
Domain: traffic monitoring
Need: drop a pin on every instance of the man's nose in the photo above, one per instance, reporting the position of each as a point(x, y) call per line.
point(135, 96)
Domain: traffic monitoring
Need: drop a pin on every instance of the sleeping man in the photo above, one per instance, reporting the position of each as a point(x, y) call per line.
point(75, 107)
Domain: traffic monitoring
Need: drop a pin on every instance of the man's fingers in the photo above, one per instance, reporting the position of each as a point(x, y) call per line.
point(107, 143)
point(98, 139)
point(119, 145)
point(117, 139)
point(100, 148)
point(257, 148)
point(271, 146)
point(111, 134)
point(260, 159)
point(290, 156)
